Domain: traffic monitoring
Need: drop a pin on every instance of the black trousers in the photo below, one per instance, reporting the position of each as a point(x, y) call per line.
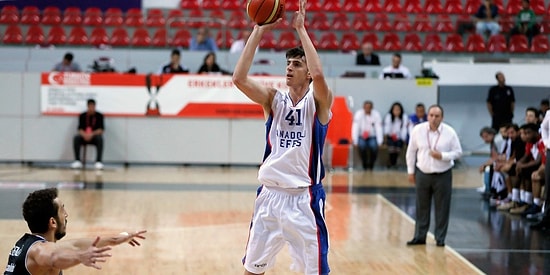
point(78, 141)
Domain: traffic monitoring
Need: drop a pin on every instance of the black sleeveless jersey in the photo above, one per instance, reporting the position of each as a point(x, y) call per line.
point(18, 255)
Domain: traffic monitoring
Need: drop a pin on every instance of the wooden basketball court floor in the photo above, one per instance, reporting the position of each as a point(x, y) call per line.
point(197, 219)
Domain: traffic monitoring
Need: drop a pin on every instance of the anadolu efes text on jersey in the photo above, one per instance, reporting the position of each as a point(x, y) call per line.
point(294, 143)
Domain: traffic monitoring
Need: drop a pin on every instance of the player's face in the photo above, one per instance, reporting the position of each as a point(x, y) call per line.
point(530, 117)
point(61, 220)
point(420, 111)
point(487, 138)
point(368, 108)
point(512, 133)
point(296, 71)
point(91, 108)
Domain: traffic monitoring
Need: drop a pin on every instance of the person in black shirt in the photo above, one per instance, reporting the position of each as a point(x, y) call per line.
point(501, 102)
point(367, 57)
point(209, 65)
point(174, 67)
point(39, 252)
point(90, 131)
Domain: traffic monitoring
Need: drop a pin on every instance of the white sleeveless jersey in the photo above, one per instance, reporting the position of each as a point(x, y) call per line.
point(294, 145)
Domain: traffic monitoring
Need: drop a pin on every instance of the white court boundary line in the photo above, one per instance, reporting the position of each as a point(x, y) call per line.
point(406, 217)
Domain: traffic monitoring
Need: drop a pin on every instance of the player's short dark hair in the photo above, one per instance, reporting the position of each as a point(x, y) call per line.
point(68, 56)
point(534, 110)
point(91, 101)
point(368, 102)
point(530, 126)
point(295, 52)
point(437, 106)
point(38, 208)
point(176, 52)
point(397, 55)
point(545, 102)
point(487, 130)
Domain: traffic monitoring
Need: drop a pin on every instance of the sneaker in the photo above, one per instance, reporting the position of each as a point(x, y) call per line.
point(520, 209)
point(532, 209)
point(507, 206)
point(535, 217)
point(481, 189)
point(98, 165)
point(76, 164)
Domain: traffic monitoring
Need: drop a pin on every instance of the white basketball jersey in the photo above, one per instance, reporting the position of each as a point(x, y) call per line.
point(294, 146)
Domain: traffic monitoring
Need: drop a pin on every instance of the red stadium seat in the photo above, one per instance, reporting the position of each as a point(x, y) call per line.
point(349, 42)
point(329, 42)
point(285, 23)
point(433, 6)
point(475, 43)
point(238, 19)
point(518, 44)
point(141, 38)
point(352, 6)
point(224, 39)
point(99, 37)
point(506, 22)
point(159, 38)
point(234, 4)
point(77, 36)
point(56, 36)
point(512, 7)
point(175, 19)
point(319, 22)
point(412, 43)
point(373, 39)
point(331, 5)
point(268, 41)
point(360, 22)
point(391, 42)
point(189, 4)
point(340, 22)
point(453, 7)
point(402, 23)
point(35, 35)
point(315, 5)
point(210, 4)
point(471, 6)
point(291, 5)
point(287, 40)
point(422, 23)
point(540, 44)
point(30, 15)
point(113, 17)
point(155, 18)
point(92, 17)
point(134, 18)
point(497, 43)
point(412, 6)
point(13, 35)
point(432, 43)
point(120, 37)
point(195, 16)
point(217, 17)
point(454, 43)
point(181, 39)
point(538, 7)
point(381, 22)
point(72, 16)
point(9, 15)
point(443, 23)
point(51, 16)
point(372, 6)
point(392, 6)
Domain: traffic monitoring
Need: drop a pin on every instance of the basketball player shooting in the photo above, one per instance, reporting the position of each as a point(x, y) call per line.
point(289, 206)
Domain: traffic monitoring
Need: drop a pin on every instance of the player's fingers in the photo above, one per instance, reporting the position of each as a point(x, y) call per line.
point(96, 241)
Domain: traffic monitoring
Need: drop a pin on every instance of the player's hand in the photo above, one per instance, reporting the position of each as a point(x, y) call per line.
point(94, 255)
point(130, 238)
point(436, 154)
point(300, 16)
point(268, 27)
point(535, 175)
point(410, 178)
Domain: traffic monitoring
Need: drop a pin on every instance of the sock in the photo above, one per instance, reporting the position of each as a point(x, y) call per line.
point(528, 198)
point(536, 201)
point(515, 194)
point(522, 195)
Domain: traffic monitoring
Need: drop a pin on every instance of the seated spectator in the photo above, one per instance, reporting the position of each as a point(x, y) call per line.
point(486, 18)
point(174, 67)
point(367, 134)
point(209, 66)
point(67, 65)
point(526, 23)
point(513, 151)
point(395, 132)
point(532, 115)
point(238, 45)
point(544, 106)
point(395, 70)
point(419, 116)
point(367, 57)
point(90, 131)
point(203, 41)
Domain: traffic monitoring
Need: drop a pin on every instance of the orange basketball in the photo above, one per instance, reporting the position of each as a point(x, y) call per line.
point(265, 11)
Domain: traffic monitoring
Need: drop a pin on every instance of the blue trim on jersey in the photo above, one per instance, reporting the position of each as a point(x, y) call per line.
point(317, 204)
point(319, 133)
point(268, 145)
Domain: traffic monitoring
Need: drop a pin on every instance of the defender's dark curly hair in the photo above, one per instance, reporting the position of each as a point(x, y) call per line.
point(38, 208)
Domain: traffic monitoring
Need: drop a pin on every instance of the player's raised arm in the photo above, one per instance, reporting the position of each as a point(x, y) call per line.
point(251, 88)
point(322, 93)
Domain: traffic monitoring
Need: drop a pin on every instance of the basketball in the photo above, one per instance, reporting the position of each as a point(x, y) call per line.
point(265, 11)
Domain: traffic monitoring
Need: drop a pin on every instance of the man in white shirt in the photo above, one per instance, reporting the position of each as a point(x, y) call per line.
point(366, 133)
point(432, 149)
point(395, 70)
point(545, 133)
